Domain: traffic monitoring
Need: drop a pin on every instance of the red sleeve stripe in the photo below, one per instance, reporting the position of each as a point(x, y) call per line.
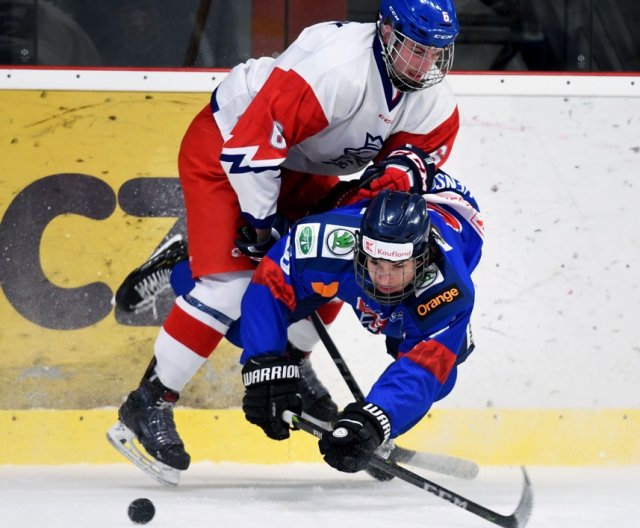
point(434, 357)
point(270, 274)
point(448, 217)
point(285, 98)
point(191, 332)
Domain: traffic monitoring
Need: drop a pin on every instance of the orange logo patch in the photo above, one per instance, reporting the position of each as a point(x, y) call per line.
point(326, 290)
point(438, 301)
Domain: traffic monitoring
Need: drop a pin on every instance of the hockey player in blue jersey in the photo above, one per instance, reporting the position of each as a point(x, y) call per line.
point(403, 262)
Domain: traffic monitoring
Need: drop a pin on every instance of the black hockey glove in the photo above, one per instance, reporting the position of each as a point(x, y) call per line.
point(270, 388)
point(358, 432)
point(248, 244)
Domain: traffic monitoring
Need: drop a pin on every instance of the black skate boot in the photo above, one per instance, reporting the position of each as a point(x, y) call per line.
point(143, 285)
point(148, 412)
point(147, 416)
point(316, 400)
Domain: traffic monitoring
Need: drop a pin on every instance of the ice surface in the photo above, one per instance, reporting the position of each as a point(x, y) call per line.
point(250, 496)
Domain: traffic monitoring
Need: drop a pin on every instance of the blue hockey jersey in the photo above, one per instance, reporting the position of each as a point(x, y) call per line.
point(314, 264)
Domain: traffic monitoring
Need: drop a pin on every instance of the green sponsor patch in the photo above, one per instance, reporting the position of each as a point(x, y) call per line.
point(305, 240)
point(341, 242)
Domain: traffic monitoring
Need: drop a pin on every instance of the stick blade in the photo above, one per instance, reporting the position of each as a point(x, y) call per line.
point(525, 506)
point(444, 464)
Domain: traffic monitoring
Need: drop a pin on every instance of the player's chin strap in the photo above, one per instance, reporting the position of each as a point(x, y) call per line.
point(518, 519)
point(447, 465)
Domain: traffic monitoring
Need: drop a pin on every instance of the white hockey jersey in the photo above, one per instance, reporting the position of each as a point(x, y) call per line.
point(324, 106)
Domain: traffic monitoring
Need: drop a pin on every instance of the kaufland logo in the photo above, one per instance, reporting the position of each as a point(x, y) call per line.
point(369, 246)
point(386, 250)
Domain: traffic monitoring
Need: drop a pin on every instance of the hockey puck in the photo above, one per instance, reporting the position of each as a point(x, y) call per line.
point(141, 511)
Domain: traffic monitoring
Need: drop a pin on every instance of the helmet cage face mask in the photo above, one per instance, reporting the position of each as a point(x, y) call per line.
point(412, 66)
point(363, 279)
point(395, 228)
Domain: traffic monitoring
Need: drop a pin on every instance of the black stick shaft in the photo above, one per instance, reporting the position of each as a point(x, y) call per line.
point(517, 520)
point(337, 357)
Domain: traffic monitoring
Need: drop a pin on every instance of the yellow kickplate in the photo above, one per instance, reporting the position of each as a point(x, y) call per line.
point(487, 436)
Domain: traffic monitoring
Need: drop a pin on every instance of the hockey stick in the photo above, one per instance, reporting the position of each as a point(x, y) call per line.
point(518, 519)
point(336, 356)
point(447, 465)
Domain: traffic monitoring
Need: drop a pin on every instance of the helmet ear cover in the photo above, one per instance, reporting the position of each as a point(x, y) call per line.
point(395, 227)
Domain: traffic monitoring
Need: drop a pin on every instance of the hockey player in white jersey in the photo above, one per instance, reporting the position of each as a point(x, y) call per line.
point(271, 143)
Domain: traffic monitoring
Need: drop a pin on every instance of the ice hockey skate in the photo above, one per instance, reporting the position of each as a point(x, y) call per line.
point(141, 288)
point(146, 419)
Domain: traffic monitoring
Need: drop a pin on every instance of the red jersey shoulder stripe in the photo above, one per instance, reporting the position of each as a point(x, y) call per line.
point(434, 357)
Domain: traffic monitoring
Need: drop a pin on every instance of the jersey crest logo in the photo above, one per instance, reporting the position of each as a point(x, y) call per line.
point(370, 319)
point(360, 156)
point(341, 242)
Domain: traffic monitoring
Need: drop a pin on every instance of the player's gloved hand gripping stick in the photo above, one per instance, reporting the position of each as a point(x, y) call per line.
point(518, 519)
point(447, 465)
point(358, 432)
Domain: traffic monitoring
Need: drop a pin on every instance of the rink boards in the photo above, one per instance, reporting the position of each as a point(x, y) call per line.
point(88, 189)
point(489, 437)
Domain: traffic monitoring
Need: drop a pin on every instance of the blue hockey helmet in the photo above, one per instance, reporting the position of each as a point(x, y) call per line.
point(418, 47)
point(395, 227)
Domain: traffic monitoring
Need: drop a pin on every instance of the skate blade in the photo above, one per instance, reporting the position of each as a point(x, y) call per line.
point(122, 439)
point(174, 238)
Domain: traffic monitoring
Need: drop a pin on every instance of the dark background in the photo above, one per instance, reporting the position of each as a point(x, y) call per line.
point(517, 35)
